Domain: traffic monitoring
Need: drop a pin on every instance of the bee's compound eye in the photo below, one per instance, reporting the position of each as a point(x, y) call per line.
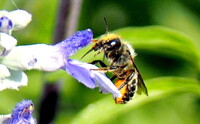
point(113, 44)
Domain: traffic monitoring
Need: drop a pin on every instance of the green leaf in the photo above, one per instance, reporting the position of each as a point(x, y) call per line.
point(163, 41)
point(161, 51)
point(105, 109)
point(182, 17)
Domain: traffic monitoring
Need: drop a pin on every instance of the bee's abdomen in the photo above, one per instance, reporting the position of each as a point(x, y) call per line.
point(127, 88)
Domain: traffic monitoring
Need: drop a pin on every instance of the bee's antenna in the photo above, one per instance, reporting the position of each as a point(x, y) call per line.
point(87, 53)
point(106, 25)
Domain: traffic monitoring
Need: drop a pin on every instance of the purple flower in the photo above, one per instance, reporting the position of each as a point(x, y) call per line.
point(13, 20)
point(38, 56)
point(53, 57)
point(46, 57)
point(90, 78)
point(77, 41)
point(22, 113)
point(5, 24)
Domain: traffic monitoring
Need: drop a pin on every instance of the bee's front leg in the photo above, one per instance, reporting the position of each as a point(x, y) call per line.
point(102, 64)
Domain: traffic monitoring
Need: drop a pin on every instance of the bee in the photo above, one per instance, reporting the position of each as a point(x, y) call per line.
point(120, 56)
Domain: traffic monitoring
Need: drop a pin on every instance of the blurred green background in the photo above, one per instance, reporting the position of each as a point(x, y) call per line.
point(166, 37)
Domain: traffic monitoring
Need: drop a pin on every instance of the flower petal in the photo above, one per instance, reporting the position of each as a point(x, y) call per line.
point(6, 25)
point(22, 113)
point(46, 57)
point(83, 73)
point(3, 12)
point(20, 18)
point(105, 84)
point(14, 81)
point(38, 56)
point(78, 40)
point(3, 118)
point(4, 72)
point(7, 42)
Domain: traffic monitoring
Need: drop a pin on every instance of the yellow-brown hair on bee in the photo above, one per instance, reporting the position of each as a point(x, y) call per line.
point(120, 56)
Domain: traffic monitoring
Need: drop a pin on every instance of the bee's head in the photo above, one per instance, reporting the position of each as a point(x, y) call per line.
point(110, 42)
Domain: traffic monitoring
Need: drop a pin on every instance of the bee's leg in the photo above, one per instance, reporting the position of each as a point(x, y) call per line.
point(100, 62)
point(97, 53)
point(113, 77)
point(106, 69)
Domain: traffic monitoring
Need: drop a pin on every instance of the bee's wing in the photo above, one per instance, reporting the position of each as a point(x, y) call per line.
point(141, 86)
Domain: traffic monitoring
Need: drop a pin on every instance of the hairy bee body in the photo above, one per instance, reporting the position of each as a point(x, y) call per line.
point(121, 56)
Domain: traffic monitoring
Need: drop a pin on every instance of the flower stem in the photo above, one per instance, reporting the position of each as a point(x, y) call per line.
point(63, 16)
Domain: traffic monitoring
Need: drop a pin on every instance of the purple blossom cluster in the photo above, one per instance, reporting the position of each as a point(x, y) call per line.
point(15, 59)
point(22, 114)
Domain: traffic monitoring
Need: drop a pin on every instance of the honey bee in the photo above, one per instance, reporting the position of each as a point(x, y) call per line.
point(120, 56)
